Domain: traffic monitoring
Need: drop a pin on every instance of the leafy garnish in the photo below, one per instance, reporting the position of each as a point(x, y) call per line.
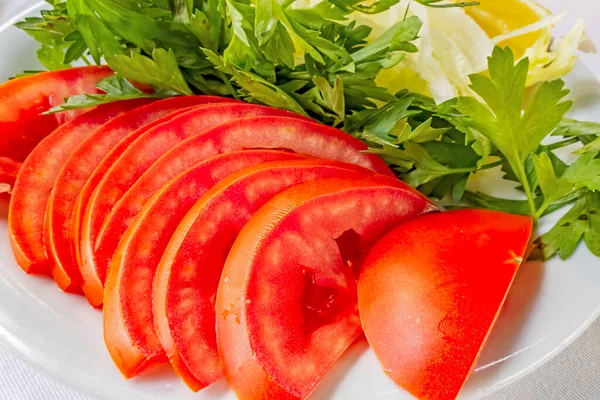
point(514, 132)
point(115, 88)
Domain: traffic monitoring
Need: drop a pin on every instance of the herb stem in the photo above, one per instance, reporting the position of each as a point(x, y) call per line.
point(227, 82)
point(562, 143)
point(492, 165)
point(528, 191)
point(85, 60)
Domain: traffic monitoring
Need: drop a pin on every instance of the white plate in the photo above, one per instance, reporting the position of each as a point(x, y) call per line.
point(548, 307)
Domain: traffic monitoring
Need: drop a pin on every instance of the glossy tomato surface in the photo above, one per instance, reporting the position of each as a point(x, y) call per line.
point(430, 291)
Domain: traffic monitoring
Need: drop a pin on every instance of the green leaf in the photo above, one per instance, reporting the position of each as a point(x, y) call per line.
point(53, 57)
point(333, 96)
point(398, 36)
point(593, 146)
point(581, 222)
point(115, 88)
point(551, 186)
point(515, 133)
point(569, 127)
point(482, 200)
point(267, 13)
point(426, 168)
point(256, 87)
point(585, 172)
point(422, 133)
point(239, 21)
point(161, 70)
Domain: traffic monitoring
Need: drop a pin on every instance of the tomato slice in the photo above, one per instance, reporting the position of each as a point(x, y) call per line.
point(128, 322)
point(36, 178)
point(431, 290)
point(80, 166)
point(188, 275)
point(123, 177)
point(286, 304)
point(103, 167)
point(23, 100)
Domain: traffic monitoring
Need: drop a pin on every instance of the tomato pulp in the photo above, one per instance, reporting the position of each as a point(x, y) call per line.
point(109, 213)
point(286, 303)
point(128, 322)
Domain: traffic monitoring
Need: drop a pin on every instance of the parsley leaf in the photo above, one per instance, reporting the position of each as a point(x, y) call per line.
point(514, 132)
point(160, 70)
point(581, 222)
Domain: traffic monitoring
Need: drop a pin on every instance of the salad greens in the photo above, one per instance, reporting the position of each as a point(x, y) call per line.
point(318, 61)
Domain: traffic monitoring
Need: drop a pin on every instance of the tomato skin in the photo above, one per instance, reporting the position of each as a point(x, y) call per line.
point(79, 167)
point(430, 291)
point(109, 159)
point(105, 220)
point(183, 300)
point(128, 319)
point(264, 335)
point(26, 218)
point(23, 100)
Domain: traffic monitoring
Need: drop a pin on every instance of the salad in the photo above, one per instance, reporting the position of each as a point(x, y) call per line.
point(244, 187)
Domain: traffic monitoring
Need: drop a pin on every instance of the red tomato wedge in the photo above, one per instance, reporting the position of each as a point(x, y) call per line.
point(36, 178)
point(107, 162)
point(277, 132)
point(430, 291)
point(80, 166)
point(128, 322)
point(124, 177)
point(186, 281)
point(23, 100)
point(286, 304)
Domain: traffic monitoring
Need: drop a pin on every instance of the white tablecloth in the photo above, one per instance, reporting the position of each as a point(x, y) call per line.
point(574, 374)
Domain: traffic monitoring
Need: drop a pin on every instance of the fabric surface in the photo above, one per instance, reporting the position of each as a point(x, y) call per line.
point(572, 375)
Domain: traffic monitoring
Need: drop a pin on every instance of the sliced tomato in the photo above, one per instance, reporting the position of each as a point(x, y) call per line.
point(103, 167)
point(296, 134)
point(24, 100)
point(36, 178)
point(79, 167)
point(187, 278)
point(431, 290)
point(96, 250)
point(128, 323)
point(286, 304)
point(9, 169)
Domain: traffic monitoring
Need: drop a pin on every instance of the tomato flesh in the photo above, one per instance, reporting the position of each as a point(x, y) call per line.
point(430, 291)
point(109, 159)
point(187, 279)
point(23, 100)
point(122, 193)
point(128, 293)
point(264, 296)
point(36, 178)
point(80, 166)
